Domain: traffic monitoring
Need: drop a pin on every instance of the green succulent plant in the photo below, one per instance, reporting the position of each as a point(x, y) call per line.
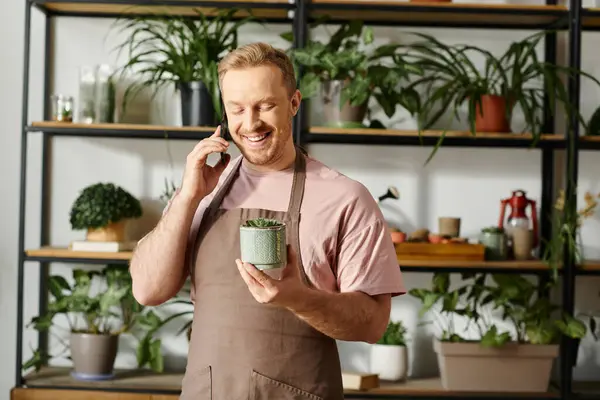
point(262, 223)
point(100, 204)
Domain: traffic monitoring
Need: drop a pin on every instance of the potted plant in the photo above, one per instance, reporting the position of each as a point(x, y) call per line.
point(263, 244)
point(516, 78)
point(521, 357)
point(496, 243)
point(99, 307)
point(345, 76)
point(389, 357)
point(184, 52)
point(567, 223)
point(103, 209)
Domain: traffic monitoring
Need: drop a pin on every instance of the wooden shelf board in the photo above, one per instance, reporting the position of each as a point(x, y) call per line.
point(270, 9)
point(591, 265)
point(65, 252)
point(41, 125)
point(124, 379)
point(449, 13)
point(590, 18)
point(532, 264)
point(429, 133)
point(166, 382)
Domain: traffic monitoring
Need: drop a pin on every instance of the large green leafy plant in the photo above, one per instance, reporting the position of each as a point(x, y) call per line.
point(519, 76)
point(345, 57)
point(167, 49)
point(514, 297)
point(101, 204)
point(99, 303)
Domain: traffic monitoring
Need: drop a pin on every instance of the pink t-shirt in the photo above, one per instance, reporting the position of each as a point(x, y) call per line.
point(344, 241)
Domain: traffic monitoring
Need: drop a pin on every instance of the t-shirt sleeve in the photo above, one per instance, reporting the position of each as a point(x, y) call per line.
point(366, 259)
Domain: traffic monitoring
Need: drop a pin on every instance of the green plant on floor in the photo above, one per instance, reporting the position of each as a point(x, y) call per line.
point(395, 334)
point(516, 298)
point(516, 78)
point(172, 50)
point(101, 204)
point(262, 223)
point(109, 309)
point(378, 73)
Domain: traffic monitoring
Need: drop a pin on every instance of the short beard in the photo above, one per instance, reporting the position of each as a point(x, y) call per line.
point(273, 154)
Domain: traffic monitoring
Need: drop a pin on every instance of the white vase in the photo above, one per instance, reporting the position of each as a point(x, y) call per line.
point(390, 362)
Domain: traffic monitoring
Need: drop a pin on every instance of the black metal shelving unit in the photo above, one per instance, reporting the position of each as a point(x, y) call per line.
point(572, 19)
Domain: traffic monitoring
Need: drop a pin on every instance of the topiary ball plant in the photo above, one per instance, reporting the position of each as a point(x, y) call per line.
point(103, 209)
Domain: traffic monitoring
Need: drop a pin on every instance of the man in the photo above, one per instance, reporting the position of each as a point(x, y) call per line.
point(254, 337)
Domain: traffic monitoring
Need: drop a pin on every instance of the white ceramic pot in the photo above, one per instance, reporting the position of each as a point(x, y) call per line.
point(390, 362)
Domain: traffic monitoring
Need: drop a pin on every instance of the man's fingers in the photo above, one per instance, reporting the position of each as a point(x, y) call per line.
point(260, 277)
point(217, 132)
point(245, 276)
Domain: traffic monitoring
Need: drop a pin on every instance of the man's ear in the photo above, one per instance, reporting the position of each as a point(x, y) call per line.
point(296, 101)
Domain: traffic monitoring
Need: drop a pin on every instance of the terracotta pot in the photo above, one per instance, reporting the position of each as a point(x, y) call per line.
point(114, 232)
point(510, 368)
point(491, 117)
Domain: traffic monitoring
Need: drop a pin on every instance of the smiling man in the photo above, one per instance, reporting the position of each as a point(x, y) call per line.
point(254, 337)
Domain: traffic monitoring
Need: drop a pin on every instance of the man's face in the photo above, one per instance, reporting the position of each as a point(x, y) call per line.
point(259, 112)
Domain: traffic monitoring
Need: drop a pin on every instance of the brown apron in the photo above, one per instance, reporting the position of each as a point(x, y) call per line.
point(241, 349)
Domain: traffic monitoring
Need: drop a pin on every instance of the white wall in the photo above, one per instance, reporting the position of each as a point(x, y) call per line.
point(464, 182)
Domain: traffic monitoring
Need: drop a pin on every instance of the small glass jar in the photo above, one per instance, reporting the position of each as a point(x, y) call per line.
point(62, 108)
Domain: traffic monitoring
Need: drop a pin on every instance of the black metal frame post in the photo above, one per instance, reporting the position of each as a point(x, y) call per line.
point(46, 176)
point(547, 167)
point(300, 32)
point(567, 350)
point(22, 196)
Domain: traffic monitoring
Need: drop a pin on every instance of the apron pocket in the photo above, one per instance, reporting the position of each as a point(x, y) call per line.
point(197, 385)
point(264, 388)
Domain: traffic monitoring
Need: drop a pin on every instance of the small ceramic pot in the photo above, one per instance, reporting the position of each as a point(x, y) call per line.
point(265, 248)
point(496, 245)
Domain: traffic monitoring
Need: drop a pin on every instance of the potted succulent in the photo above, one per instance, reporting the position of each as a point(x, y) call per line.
point(496, 243)
point(516, 78)
point(522, 357)
point(184, 52)
point(389, 357)
point(345, 76)
point(99, 307)
point(103, 209)
point(263, 244)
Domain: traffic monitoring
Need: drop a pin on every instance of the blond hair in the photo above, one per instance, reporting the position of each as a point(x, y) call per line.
point(259, 54)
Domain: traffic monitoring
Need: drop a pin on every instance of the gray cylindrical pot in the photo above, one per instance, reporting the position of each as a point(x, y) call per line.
point(93, 355)
point(264, 247)
point(340, 115)
point(496, 245)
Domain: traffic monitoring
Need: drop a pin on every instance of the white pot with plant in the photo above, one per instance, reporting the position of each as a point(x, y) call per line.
point(389, 356)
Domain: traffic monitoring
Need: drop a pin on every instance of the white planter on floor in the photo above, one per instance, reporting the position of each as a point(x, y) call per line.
point(389, 361)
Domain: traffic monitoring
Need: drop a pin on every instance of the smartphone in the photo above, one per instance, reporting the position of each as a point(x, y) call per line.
point(224, 128)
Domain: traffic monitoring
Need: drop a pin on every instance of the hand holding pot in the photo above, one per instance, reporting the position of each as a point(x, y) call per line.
point(286, 292)
point(199, 178)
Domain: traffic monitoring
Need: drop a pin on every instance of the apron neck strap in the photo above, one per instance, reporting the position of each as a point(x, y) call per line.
point(296, 194)
point(298, 183)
